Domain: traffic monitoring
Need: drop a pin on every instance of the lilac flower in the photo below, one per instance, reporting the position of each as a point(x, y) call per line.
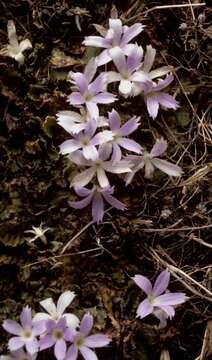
point(156, 302)
point(25, 333)
point(97, 168)
point(74, 122)
point(19, 354)
point(96, 196)
point(82, 342)
point(57, 312)
point(150, 161)
point(57, 333)
point(119, 135)
point(146, 72)
point(87, 141)
point(154, 97)
point(90, 93)
point(116, 35)
point(127, 67)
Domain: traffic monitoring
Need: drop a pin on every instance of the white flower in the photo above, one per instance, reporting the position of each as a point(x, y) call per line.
point(15, 49)
point(39, 233)
point(56, 312)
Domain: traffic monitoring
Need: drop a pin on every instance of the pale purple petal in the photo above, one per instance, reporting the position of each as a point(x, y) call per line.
point(116, 26)
point(90, 152)
point(72, 353)
point(83, 178)
point(162, 316)
point(97, 85)
point(86, 324)
point(113, 201)
point(167, 167)
point(15, 343)
point(131, 32)
point(161, 283)
point(134, 58)
point(170, 299)
point(169, 310)
point(60, 349)
point(64, 301)
point(96, 41)
point(102, 137)
point(82, 191)
point(81, 81)
point(168, 101)
point(105, 151)
point(125, 87)
point(26, 317)
point(67, 120)
point(114, 120)
point(81, 203)
point(104, 98)
point(75, 98)
point(161, 71)
point(164, 83)
point(152, 105)
point(130, 145)
point(32, 346)
point(102, 177)
point(97, 340)
point(87, 353)
point(90, 70)
point(93, 109)
point(97, 208)
point(116, 156)
point(12, 327)
point(46, 342)
point(69, 146)
point(103, 58)
point(38, 327)
point(72, 320)
point(149, 169)
point(41, 316)
point(78, 158)
point(130, 126)
point(117, 168)
point(144, 309)
point(119, 59)
point(149, 58)
point(159, 148)
point(144, 283)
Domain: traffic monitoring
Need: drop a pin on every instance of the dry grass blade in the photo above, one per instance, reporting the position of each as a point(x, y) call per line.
point(207, 343)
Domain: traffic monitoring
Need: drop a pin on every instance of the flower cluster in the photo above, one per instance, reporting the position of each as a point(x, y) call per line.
point(101, 145)
point(53, 329)
point(67, 336)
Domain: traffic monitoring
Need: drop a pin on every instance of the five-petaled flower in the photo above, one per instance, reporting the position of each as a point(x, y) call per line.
point(90, 92)
point(83, 342)
point(56, 312)
point(15, 49)
point(116, 36)
point(96, 196)
point(25, 333)
point(157, 302)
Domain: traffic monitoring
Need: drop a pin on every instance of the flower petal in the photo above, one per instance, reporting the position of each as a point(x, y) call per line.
point(131, 32)
point(104, 98)
point(103, 58)
point(97, 340)
point(120, 167)
point(24, 45)
point(83, 178)
point(152, 106)
point(72, 353)
point(116, 26)
point(93, 109)
point(87, 353)
point(15, 343)
point(41, 316)
point(130, 126)
point(116, 156)
point(144, 309)
point(90, 69)
point(149, 58)
point(12, 327)
point(119, 59)
point(86, 324)
point(167, 167)
point(69, 146)
point(75, 98)
point(46, 342)
point(90, 152)
point(161, 283)
point(113, 201)
point(32, 346)
point(130, 145)
point(64, 301)
point(49, 306)
point(60, 349)
point(125, 87)
point(168, 101)
point(114, 120)
point(97, 208)
point(144, 283)
point(170, 299)
point(102, 177)
point(159, 147)
point(96, 41)
point(72, 320)
point(81, 81)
